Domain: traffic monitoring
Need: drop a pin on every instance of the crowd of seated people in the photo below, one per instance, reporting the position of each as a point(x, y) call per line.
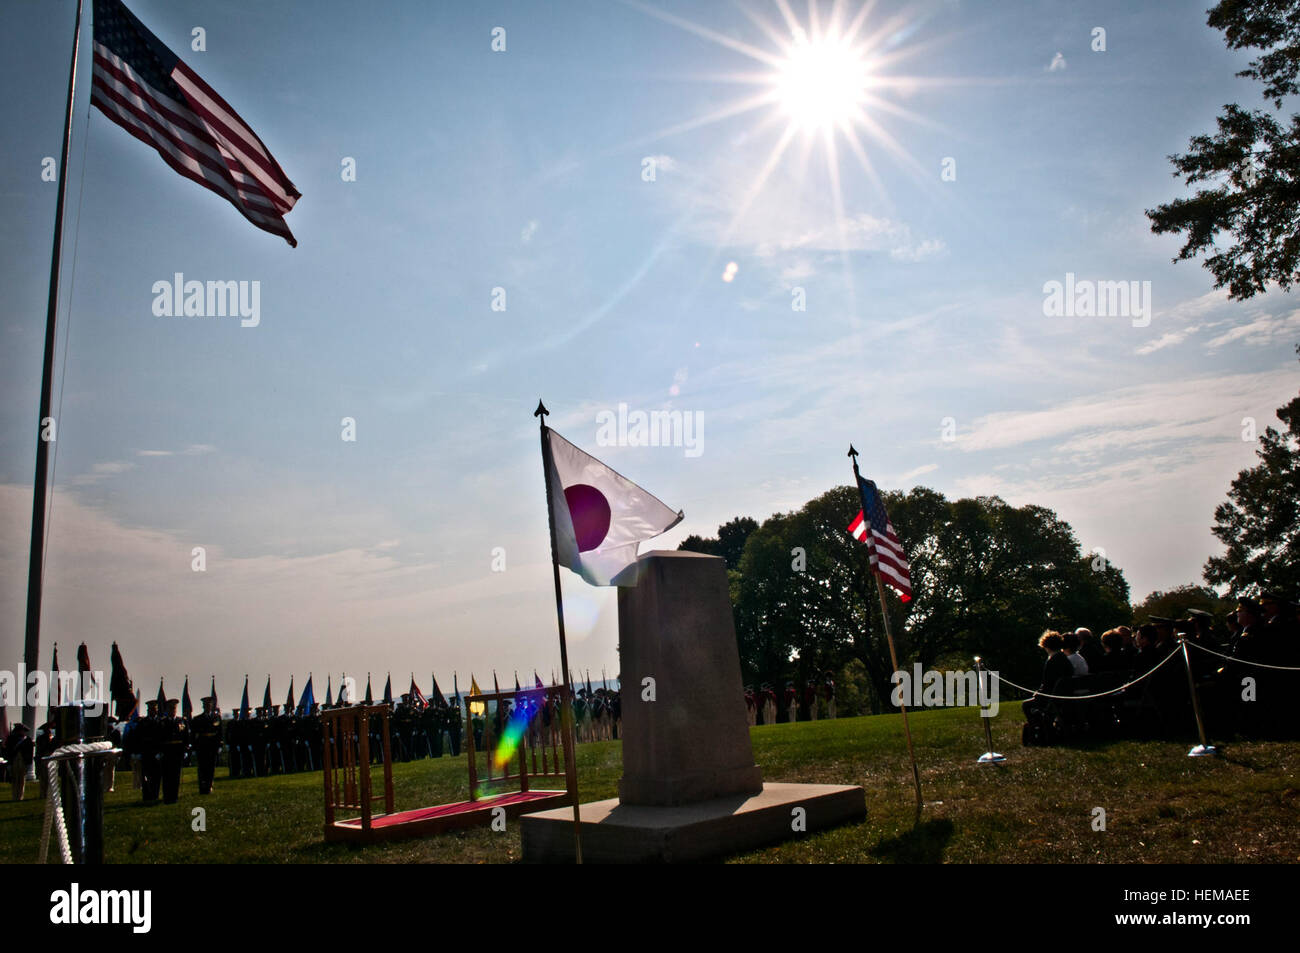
point(1126, 684)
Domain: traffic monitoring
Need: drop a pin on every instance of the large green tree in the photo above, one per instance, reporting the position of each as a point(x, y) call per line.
point(1249, 170)
point(1260, 522)
point(1174, 603)
point(987, 577)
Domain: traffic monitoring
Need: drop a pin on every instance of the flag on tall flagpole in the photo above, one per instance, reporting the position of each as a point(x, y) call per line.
point(266, 696)
point(119, 685)
point(187, 706)
point(288, 701)
point(417, 696)
point(884, 549)
point(243, 705)
point(329, 691)
point(145, 88)
point(600, 516)
point(308, 700)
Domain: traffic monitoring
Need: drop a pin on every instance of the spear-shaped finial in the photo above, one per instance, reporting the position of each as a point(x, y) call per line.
point(541, 411)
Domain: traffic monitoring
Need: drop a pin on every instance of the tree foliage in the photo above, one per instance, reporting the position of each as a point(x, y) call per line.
point(1250, 168)
point(1174, 603)
point(987, 577)
point(1260, 522)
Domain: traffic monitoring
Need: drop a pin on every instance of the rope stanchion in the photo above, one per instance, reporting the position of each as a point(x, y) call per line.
point(1204, 749)
point(53, 821)
point(989, 756)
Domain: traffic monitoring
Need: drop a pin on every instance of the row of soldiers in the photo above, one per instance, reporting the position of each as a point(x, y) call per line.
point(816, 700)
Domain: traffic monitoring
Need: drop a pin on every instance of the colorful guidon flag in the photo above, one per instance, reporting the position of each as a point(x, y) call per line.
point(600, 516)
point(884, 548)
point(146, 89)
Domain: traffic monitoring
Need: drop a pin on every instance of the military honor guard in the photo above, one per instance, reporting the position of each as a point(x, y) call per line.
point(205, 729)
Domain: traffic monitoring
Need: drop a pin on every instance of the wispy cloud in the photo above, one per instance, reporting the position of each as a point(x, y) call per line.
point(1183, 409)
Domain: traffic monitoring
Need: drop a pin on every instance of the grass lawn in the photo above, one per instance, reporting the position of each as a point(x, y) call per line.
point(1161, 806)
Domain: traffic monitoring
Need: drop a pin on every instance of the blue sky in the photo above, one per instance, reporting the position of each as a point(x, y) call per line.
point(523, 170)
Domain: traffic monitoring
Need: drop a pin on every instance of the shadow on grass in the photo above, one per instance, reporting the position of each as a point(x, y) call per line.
point(923, 844)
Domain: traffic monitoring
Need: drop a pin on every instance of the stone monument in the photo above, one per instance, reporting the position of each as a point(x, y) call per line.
point(690, 789)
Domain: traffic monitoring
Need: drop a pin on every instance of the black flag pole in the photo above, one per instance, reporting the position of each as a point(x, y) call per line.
point(566, 703)
point(40, 487)
point(889, 636)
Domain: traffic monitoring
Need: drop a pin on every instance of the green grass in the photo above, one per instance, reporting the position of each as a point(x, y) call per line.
point(1161, 806)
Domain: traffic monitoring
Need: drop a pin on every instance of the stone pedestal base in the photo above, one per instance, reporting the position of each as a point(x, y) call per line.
point(613, 832)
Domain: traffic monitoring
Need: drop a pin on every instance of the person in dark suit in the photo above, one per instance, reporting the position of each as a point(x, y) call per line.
point(1057, 672)
point(205, 728)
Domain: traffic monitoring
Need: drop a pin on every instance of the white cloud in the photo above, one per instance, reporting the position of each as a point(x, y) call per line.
point(1168, 340)
point(1182, 409)
point(919, 471)
point(1264, 330)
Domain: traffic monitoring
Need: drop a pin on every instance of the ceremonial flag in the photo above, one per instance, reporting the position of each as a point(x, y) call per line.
point(439, 700)
point(267, 704)
point(417, 696)
point(388, 690)
point(370, 698)
point(600, 516)
point(475, 708)
point(135, 709)
point(329, 691)
point(884, 549)
point(119, 685)
point(162, 698)
point(54, 681)
point(187, 706)
point(216, 706)
point(538, 680)
point(308, 700)
point(83, 668)
point(243, 705)
point(146, 89)
point(288, 702)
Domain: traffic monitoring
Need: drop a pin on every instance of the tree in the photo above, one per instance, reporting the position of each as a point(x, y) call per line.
point(1174, 603)
point(987, 577)
point(1260, 522)
point(730, 542)
point(1251, 165)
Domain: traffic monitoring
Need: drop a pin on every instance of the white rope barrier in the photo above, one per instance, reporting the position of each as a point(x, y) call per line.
point(1070, 698)
point(54, 794)
point(1242, 661)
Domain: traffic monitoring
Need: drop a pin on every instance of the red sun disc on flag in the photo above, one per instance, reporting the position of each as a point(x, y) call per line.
point(590, 513)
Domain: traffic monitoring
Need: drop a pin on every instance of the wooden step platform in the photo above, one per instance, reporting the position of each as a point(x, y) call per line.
point(424, 821)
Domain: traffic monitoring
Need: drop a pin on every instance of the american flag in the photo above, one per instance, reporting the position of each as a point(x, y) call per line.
point(145, 88)
point(884, 548)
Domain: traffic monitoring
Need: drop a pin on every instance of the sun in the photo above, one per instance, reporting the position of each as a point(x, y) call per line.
point(822, 83)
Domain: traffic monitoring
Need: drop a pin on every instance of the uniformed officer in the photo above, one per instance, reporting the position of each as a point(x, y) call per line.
point(205, 729)
point(234, 752)
point(454, 727)
point(146, 734)
point(175, 739)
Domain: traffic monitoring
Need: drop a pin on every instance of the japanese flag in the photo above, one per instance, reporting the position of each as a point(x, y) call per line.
point(600, 516)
